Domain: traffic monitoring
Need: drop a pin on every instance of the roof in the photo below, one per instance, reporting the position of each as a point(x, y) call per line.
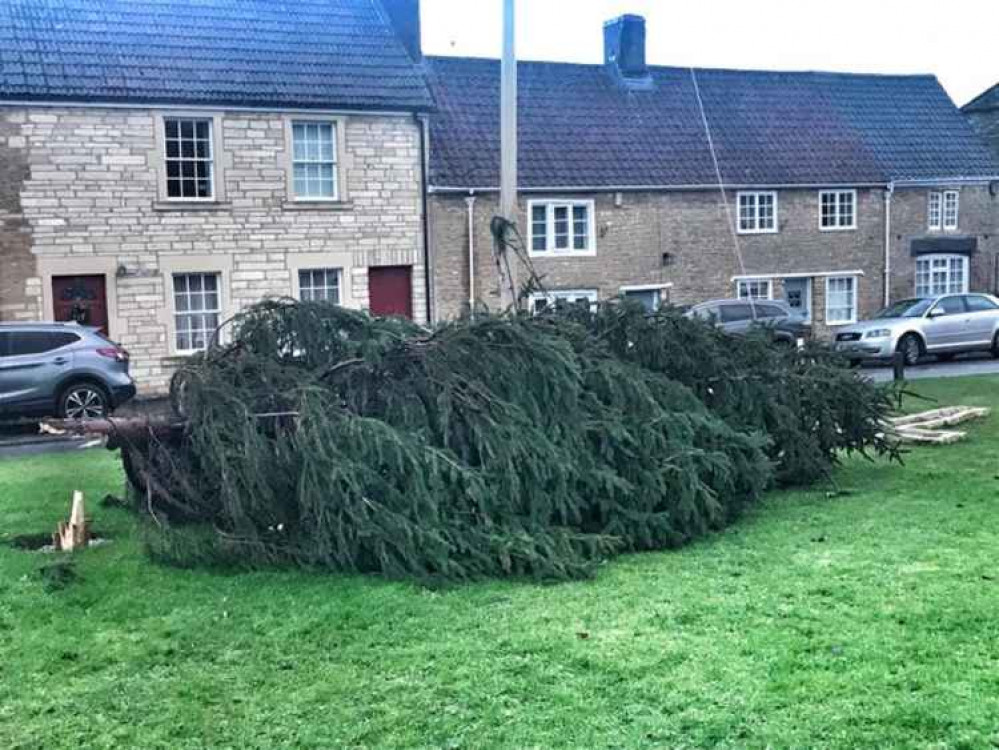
point(987, 101)
point(285, 53)
point(578, 127)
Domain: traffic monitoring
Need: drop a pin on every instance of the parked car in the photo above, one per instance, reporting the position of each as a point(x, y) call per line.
point(739, 316)
point(61, 369)
point(945, 326)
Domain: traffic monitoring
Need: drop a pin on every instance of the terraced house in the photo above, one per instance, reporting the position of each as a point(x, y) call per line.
point(164, 163)
point(834, 192)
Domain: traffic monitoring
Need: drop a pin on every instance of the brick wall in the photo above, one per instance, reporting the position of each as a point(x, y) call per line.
point(634, 233)
point(86, 181)
point(978, 217)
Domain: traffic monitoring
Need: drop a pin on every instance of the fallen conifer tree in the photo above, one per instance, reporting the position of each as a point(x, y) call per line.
point(504, 445)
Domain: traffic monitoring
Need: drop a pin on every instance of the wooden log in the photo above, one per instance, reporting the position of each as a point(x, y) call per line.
point(133, 428)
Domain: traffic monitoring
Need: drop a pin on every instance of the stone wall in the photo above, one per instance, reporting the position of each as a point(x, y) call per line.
point(634, 230)
point(88, 184)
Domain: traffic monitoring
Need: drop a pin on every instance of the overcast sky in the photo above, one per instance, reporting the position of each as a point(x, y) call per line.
point(956, 40)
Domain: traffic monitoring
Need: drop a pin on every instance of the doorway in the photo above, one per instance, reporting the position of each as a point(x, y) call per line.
point(81, 299)
point(390, 291)
point(798, 295)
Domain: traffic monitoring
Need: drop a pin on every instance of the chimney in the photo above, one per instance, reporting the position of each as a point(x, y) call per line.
point(405, 18)
point(624, 48)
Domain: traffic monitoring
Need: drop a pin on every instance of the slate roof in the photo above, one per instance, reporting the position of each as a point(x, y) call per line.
point(579, 128)
point(986, 101)
point(301, 53)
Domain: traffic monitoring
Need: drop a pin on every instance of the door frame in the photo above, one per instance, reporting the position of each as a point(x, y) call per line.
point(64, 266)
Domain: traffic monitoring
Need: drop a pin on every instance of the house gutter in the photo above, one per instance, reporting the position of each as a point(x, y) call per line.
point(889, 192)
point(470, 203)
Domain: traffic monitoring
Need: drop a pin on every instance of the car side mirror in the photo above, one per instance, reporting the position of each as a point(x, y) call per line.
point(936, 312)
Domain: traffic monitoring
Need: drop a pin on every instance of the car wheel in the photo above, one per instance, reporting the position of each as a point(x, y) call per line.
point(911, 348)
point(84, 401)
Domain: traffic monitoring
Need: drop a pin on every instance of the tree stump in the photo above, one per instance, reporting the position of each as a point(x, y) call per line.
point(75, 534)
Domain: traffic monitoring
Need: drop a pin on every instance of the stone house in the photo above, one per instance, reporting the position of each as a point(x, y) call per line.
point(165, 163)
point(983, 114)
point(834, 192)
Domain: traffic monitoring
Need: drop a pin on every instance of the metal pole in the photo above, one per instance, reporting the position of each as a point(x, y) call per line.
point(508, 115)
point(508, 151)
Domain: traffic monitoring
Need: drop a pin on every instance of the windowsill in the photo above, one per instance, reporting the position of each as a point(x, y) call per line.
point(562, 254)
point(841, 323)
point(757, 231)
point(838, 229)
point(333, 205)
point(191, 205)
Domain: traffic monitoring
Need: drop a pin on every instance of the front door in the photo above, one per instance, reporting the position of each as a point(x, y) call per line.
point(798, 295)
point(390, 291)
point(81, 299)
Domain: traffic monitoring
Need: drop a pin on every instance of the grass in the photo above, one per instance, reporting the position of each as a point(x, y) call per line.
point(868, 619)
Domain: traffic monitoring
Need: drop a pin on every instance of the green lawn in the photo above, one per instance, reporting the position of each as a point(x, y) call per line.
point(870, 619)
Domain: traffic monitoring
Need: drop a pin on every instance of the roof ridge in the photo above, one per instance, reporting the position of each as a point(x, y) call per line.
point(698, 69)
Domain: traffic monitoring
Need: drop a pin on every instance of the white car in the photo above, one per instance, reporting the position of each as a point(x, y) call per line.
point(943, 326)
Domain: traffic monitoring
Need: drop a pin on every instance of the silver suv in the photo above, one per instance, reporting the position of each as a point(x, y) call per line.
point(61, 369)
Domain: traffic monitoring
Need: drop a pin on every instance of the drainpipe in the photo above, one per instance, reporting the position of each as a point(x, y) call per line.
point(428, 264)
point(470, 202)
point(889, 192)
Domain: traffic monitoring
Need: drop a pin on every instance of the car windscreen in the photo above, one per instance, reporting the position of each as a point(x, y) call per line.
point(906, 308)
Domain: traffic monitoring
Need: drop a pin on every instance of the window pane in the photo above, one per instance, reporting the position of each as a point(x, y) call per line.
point(561, 227)
point(314, 160)
point(539, 228)
point(580, 228)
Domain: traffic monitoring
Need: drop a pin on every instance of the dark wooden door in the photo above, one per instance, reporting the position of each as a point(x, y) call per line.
point(390, 290)
point(81, 298)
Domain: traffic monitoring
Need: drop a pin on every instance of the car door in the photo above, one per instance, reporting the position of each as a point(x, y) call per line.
point(983, 317)
point(31, 365)
point(946, 323)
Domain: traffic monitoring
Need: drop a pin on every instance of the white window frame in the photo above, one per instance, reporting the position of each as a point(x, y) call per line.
point(853, 310)
point(950, 224)
point(334, 163)
point(550, 251)
point(742, 288)
point(571, 295)
point(937, 210)
point(838, 204)
point(213, 159)
point(326, 271)
point(755, 196)
point(218, 311)
point(947, 259)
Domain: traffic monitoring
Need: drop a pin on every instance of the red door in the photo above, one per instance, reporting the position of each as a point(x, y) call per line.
point(390, 289)
point(81, 299)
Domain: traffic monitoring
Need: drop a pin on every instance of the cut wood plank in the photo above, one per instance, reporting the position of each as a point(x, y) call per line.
point(942, 417)
point(929, 437)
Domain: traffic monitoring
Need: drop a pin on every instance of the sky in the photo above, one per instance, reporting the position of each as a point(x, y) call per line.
point(956, 40)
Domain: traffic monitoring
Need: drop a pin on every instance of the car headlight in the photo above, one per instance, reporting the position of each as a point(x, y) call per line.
point(878, 333)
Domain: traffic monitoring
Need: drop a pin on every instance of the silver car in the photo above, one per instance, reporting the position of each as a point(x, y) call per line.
point(943, 326)
point(61, 369)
